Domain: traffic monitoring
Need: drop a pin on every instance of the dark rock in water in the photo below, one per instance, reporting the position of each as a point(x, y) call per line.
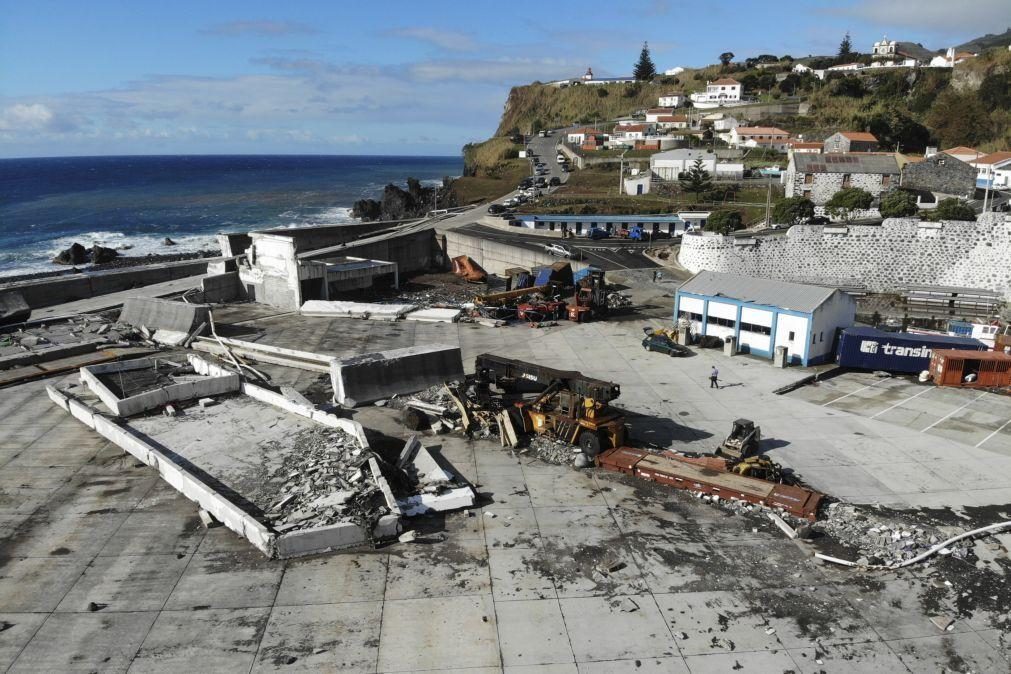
point(101, 254)
point(401, 204)
point(168, 242)
point(76, 254)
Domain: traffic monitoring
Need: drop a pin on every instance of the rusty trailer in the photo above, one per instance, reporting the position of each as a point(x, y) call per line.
point(673, 471)
point(971, 369)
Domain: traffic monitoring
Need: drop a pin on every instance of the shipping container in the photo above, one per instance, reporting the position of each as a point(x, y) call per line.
point(952, 367)
point(872, 349)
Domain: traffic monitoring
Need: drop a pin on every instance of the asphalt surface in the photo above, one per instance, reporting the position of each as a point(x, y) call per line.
point(608, 254)
point(546, 151)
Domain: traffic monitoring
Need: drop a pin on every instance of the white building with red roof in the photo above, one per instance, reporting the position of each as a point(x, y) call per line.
point(994, 170)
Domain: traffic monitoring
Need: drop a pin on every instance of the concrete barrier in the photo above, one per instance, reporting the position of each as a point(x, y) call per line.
point(320, 539)
point(373, 376)
point(46, 292)
point(158, 314)
point(496, 256)
point(220, 287)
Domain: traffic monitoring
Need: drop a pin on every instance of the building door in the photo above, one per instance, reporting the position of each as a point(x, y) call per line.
point(638, 188)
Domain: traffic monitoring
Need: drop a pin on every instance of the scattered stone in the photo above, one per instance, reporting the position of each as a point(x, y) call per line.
point(209, 520)
point(206, 402)
point(943, 623)
point(490, 514)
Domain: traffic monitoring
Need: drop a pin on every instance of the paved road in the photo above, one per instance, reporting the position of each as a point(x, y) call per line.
point(608, 254)
point(546, 150)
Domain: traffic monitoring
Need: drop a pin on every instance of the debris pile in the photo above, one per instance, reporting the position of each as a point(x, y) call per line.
point(884, 540)
point(326, 481)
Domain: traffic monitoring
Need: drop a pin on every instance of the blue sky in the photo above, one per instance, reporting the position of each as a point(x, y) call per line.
point(340, 77)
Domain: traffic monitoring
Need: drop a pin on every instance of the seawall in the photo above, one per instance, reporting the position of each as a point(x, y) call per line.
point(496, 256)
point(885, 258)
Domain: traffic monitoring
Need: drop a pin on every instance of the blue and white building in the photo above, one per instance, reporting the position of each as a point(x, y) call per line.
point(763, 314)
point(671, 224)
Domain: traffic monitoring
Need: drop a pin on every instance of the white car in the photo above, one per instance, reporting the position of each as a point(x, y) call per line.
point(557, 249)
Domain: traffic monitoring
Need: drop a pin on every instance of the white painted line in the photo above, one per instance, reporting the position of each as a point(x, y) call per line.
point(1002, 427)
point(903, 402)
point(853, 392)
point(955, 411)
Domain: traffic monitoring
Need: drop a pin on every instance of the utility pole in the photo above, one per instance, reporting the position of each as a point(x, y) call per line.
point(768, 204)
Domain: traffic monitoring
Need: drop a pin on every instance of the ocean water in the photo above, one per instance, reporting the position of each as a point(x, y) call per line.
point(133, 203)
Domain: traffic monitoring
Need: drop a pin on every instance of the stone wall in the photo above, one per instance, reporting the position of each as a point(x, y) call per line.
point(827, 184)
point(884, 258)
point(940, 174)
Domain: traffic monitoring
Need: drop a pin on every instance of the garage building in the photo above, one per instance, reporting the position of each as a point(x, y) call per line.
point(763, 314)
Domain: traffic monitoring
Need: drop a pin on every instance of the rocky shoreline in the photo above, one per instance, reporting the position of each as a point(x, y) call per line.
point(400, 204)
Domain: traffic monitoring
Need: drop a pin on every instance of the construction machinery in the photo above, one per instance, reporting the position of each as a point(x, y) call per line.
point(742, 441)
point(590, 300)
point(569, 406)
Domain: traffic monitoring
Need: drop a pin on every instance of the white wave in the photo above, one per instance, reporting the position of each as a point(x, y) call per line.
point(134, 245)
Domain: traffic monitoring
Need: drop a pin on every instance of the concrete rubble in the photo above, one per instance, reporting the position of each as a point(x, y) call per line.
point(375, 376)
point(367, 310)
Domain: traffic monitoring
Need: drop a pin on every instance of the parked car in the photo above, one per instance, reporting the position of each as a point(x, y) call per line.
point(495, 209)
point(560, 250)
point(818, 220)
point(597, 233)
point(664, 344)
point(555, 181)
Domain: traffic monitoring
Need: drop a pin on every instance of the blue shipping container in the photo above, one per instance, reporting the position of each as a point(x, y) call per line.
point(871, 349)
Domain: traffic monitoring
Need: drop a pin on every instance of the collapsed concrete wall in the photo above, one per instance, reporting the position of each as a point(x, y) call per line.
point(13, 308)
point(57, 290)
point(375, 376)
point(885, 258)
point(158, 314)
point(496, 256)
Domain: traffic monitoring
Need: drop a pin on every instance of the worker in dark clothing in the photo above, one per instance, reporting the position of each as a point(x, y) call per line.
point(714, 378)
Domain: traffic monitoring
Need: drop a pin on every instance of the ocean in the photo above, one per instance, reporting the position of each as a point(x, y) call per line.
point(133, 203)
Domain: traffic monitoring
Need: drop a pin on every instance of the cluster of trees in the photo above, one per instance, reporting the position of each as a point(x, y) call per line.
point(846, 203)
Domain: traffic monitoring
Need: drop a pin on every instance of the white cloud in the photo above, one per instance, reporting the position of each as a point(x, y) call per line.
point(259, 28)
point(968, 18)
point(25, 117)
point(444, 39)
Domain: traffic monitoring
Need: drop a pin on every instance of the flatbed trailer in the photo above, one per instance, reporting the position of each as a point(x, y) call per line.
point(704, 476)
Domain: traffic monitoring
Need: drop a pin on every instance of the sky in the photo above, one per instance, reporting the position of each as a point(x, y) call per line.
point(106, 77)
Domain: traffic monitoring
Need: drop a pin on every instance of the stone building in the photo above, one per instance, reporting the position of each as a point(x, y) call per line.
point(818, 176)
point(851, 141)
point(938, 177)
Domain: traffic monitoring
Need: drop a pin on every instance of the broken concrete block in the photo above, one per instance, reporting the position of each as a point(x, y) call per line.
point(13, 308)
point(332, 500)
point(209, 521)
point(381, 375)
point(453, 499)
point(207, 402)
point(152, 313)
point(170, 411)
point(388, 526)
point(943, 623)
point(407, 536)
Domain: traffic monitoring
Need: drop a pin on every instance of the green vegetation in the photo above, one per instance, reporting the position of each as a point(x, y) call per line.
point(898, 204)
point(644, 71)
point(952, 209)
point(792, 211)
point(844, 202)
point(696, 179)
point(845, 49)
point(724, 222)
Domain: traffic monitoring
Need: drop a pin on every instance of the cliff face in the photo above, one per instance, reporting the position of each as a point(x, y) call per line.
point(399, 204)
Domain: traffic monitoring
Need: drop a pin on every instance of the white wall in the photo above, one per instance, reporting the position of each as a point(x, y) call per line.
point(723, 310)
point(756, 316)
point(838, 312)
point(798, 325)
point(691, 304)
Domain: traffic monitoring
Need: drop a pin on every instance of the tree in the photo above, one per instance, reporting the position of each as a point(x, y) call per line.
point(726, 57)
point(645, 71)
point(845, 49)
point(844, 202)
point(724, 222)
point(793, 211)
point(898, 204)
point(958, 118)
point(953, 209)
point(696, 179)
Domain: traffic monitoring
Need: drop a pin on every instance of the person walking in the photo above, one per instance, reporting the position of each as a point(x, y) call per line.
point(714, 377)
